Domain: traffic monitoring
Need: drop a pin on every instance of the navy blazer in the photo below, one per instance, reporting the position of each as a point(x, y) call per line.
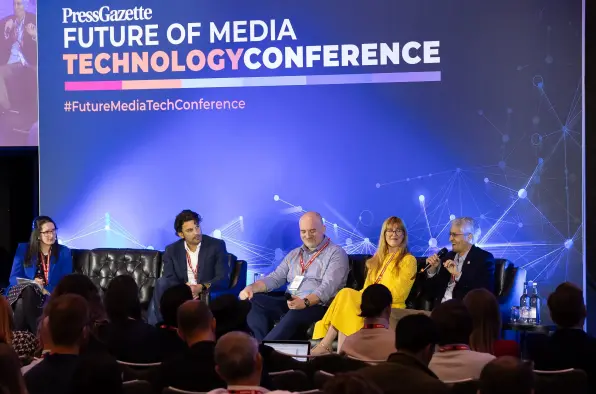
point(58, 268)
point(478, 271)
point(212, 266)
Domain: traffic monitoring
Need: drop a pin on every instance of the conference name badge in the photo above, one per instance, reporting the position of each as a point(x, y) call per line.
point(295, 285)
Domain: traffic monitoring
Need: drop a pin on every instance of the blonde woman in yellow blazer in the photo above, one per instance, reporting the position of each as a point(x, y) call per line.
point(392, 266)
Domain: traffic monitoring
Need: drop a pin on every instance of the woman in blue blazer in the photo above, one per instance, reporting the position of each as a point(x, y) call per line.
point(43, 261)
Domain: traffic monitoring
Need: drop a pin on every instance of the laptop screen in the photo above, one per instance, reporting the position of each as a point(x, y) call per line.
point(291, 348)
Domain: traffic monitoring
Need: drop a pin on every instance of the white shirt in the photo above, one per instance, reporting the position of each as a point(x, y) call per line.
point(459, 263)
point(194, 261)
point(459, 364)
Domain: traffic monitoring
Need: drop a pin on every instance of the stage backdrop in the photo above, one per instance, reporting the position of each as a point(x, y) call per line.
point(251, 112)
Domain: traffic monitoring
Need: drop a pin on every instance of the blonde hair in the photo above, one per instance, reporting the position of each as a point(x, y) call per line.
point(374, 263)
point(6, 321)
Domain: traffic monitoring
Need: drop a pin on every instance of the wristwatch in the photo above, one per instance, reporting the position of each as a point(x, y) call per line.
point(306, 302)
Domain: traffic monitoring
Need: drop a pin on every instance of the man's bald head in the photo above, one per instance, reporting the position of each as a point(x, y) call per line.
point(237, 357)
point(506, 375)
point(312, 229)
point(194, 317)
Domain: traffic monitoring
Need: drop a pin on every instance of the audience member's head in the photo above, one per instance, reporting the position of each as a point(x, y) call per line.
point(6, 321)
point(67, 319)
point(121, 299)
point(486, 319)
point(453, 322)
point(195, 322)
point(238, 360)
point(566, 305)
point(171, 300)
point(417, 335)
point(11, 380)
point(82, 285)
point(376, 302)
point(350, 383)
point(506, 375)
point(230, 314)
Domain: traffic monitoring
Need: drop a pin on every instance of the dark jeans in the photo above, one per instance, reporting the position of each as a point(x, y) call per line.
point(266, 310)
point(27, 310)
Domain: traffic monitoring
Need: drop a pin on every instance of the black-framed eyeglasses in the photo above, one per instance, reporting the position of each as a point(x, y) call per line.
point(397, 231)
point(49, 232)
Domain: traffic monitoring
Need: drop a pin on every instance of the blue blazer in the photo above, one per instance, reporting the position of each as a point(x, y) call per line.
point(58, 269)
point(213, 263)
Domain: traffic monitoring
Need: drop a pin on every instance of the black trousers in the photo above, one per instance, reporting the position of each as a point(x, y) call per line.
point(27, 310)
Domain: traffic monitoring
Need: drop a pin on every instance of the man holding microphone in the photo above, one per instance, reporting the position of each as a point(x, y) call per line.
point(465, 268)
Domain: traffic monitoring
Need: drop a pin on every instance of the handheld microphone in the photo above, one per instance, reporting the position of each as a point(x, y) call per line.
point(440, 255)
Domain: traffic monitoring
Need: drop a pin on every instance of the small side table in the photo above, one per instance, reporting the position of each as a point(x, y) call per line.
point(522, 331)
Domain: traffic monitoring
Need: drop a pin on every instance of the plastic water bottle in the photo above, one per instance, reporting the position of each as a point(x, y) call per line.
point(524, 306)
point(534, 306)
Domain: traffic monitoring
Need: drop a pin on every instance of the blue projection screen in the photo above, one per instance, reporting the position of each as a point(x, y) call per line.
point(251, 112)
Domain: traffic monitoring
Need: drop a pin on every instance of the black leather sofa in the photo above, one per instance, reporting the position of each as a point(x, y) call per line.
point(145, 266)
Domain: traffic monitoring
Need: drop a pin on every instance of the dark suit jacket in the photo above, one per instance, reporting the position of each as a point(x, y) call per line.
point(53, 375)
point(192, 370)
point(212, 267)
point(565, 348)
point(132, 341)
point(28, 46)
point(478, 271)
point(403, 373)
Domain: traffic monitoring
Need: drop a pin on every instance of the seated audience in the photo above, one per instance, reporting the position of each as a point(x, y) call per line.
point(569, 346)
point(127, 336)
point(23, 342)
point(406, 371)
point(454, 360)
point(239, 364)
point(194, 369)
point(230, 315)
point(315, 272)
point(375, 341)
point(83, 286)
point(196, 260)
point(350, 383)
point(67, 318)
point(11, 380)
point(486, 320)
point(392, 266)
point(465, 268)
point(506, 375)
point(42, 261)
point(168, 339)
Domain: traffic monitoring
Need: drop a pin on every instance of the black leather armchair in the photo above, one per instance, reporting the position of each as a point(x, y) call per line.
point(145, 266)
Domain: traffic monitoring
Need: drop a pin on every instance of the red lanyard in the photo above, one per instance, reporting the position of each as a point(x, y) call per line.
point(384, 269)
point(369, 326)
point(245, 391)
point(305, 267)
point(450, 348)
point(165, 327)
point(45, 265)
point(194, 270)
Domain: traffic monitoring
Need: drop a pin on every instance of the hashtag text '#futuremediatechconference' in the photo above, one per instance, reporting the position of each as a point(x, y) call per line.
point(153, 105)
